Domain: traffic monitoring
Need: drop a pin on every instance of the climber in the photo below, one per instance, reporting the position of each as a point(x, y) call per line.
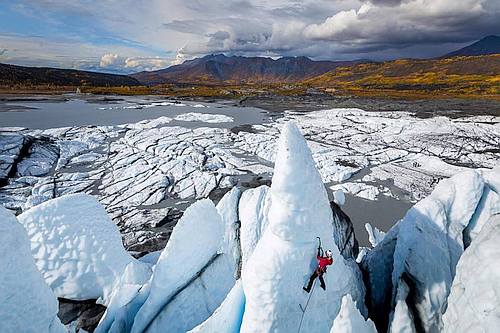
point(322, 263)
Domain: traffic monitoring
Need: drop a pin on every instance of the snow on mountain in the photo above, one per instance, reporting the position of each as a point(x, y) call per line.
point(28, 305)
point(350, 320)
point(285, 254)
point(414, 152)
point(76, 247)
point(473, 304)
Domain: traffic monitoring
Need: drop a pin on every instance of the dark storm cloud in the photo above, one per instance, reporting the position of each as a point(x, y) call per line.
point(386, 2)
point(322, 29)
point(154, 32)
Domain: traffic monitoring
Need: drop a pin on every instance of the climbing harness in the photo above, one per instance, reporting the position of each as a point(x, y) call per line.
point(303, 309)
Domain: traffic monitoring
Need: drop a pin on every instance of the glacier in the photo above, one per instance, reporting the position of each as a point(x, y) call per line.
point(284, 257)
point(256, 248)
point(76, 247)
point(349, 320)
point(475, 292)
point(28, 304)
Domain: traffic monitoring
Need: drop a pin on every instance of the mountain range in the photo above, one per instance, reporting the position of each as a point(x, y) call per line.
point(218, 69)
point(36, 76)
point(487, 45)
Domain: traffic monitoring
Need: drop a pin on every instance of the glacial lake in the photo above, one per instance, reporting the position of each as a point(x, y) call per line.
point(73, 110)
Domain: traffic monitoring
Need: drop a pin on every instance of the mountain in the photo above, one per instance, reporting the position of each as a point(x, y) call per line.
point(217, 69)
point(476, 75)
point(487, 45)
point(12, 75)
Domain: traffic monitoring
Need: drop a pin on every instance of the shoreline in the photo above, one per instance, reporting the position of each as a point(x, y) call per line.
point(422, 107)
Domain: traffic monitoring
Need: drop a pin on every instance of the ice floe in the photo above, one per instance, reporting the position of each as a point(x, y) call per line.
point(204, 117)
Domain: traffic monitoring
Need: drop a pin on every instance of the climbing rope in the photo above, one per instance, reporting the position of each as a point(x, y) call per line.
point(314, 283)
point(305, 308)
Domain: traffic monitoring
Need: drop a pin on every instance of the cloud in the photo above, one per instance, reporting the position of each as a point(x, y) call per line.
point(158, 32)
point(116, 63)
point(409, 23)
point(375, 29)
point(110, 60)
point(146, 64)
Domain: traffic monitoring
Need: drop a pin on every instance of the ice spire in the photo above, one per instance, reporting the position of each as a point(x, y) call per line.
point(300, 206)
point(350, 320)
point(285, 255)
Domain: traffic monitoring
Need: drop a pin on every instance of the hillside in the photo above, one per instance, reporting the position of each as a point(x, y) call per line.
point(33, 76)
point(469, 76)
point(220, 69)
point(487, 45)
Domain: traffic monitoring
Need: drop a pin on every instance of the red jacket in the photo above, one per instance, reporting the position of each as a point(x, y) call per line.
point(323, 262)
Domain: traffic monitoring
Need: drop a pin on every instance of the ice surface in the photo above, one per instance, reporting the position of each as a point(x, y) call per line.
point(253, 209)
point(429, 243)
point(375, 236)
point(196, 270)
point(227, 318)
point(132, 168)
point(28, 305)
point(149, 123)
point(350, 320)
point(361, 190)
point(124, 292)
point(377, 265)
point(473, 304)
point(488, 206)
point(228, 210)
point(285, 255)
point(339, 197)
point(195, 241)
point(76, 247)
point(402, 321)
point(205, 117)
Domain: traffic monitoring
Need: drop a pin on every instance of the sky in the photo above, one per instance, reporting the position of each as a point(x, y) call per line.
point(126, 36)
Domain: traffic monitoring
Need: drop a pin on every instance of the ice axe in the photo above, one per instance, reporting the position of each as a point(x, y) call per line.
point(319, 246)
